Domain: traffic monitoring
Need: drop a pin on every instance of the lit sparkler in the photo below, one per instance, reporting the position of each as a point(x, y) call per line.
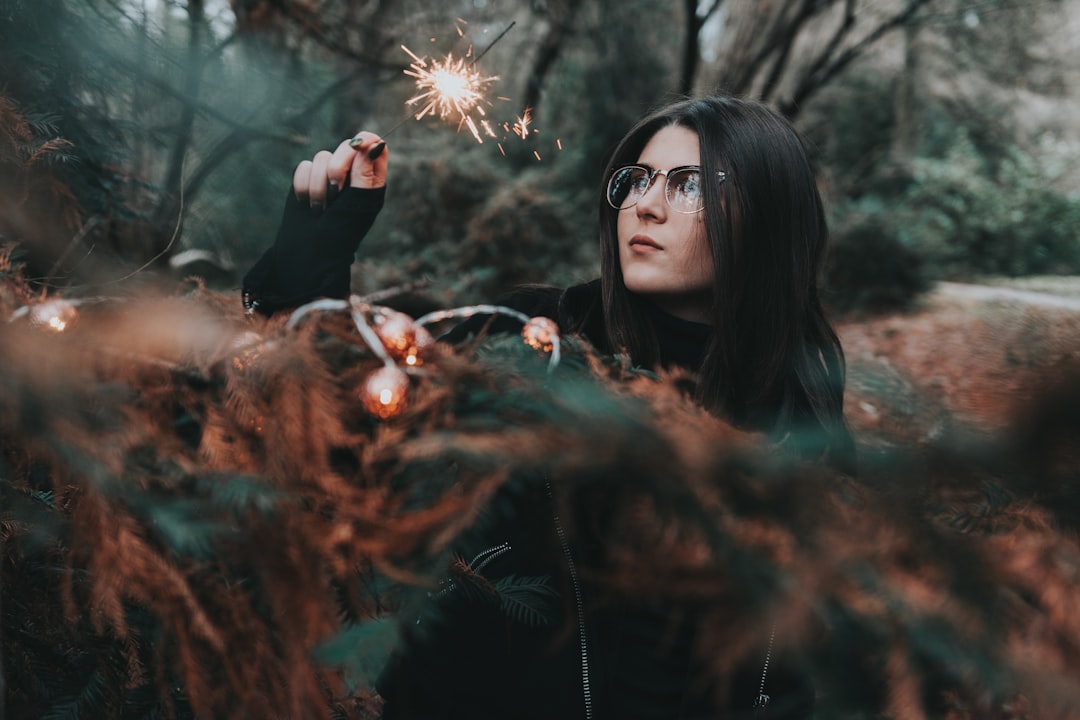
point(448, 88)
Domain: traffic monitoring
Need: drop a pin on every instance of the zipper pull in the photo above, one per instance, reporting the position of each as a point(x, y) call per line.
point(761, 704)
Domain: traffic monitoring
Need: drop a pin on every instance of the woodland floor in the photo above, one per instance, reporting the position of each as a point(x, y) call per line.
point(968, 360)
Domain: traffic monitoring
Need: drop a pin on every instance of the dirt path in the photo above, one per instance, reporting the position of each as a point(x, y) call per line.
point(1007, 294)
point(970, 356)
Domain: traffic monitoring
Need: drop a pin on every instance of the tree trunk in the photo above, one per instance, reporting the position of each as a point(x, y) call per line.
point(906, 101)
point(691, 47)
point(168, 217)
point(356, 105)
point(562, 14)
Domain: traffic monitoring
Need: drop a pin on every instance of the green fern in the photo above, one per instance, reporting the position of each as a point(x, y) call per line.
point(530, 600)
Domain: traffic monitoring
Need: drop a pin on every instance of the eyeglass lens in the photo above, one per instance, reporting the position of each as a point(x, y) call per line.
point(682, 187)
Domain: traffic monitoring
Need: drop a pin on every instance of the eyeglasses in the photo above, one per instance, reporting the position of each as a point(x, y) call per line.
point(682, 187)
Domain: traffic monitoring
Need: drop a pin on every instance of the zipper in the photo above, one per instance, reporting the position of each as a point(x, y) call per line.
point(579, 599)
point(762, 701)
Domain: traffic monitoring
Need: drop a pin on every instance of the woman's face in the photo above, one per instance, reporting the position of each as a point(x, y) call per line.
point(664, 254)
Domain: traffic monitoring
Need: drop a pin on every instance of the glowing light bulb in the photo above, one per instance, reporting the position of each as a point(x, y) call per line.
point(56, 315)
point(385, 392)
point(540, 333)
point(403, 339)
point(248, 348)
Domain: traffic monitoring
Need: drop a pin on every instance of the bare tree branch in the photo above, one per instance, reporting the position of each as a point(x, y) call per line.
point(562, 18)
point(241, 136)
point(780, 36)
point(820, 73)
point(692, 45)
point(786, 40)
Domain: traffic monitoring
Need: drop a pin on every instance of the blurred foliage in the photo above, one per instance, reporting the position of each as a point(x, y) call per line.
point(59, 150)
point(180, 480)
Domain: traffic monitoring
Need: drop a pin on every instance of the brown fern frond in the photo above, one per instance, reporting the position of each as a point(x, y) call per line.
point(45, 149)
point(14, 128)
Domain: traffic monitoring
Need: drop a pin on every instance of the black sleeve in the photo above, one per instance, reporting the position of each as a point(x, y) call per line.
point(312, 254)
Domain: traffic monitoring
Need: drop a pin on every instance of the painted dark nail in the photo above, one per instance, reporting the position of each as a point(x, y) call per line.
point(376, 151)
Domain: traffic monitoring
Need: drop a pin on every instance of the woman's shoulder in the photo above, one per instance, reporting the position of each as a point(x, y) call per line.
point(552, 301)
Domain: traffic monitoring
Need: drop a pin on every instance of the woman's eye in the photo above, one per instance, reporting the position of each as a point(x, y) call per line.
point(688, 183)
point(639, 181)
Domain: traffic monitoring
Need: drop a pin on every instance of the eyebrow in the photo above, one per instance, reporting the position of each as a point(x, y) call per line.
point(651, 168)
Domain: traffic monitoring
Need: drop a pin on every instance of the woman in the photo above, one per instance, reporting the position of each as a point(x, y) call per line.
point(712, 237)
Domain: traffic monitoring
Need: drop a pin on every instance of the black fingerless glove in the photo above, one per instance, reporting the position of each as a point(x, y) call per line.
point(313, 251)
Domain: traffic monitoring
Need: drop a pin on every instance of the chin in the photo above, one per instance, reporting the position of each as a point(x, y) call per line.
point(646, 286)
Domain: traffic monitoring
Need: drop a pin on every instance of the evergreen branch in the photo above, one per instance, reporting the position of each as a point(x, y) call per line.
point(528, 600)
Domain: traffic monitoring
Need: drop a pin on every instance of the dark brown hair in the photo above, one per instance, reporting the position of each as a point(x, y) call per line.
point(773, 362)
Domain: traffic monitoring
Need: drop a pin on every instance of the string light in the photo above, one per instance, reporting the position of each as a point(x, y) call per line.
point(552, 330)
point(395, 337)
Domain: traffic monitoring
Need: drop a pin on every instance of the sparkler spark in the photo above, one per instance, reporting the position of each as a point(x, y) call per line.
point(521, 125)
point(451, 88)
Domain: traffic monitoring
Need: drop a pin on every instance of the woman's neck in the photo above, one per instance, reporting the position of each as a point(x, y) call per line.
point(691, 308)
point(682, 342)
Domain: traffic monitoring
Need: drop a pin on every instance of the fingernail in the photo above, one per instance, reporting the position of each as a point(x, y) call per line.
point(332, 191)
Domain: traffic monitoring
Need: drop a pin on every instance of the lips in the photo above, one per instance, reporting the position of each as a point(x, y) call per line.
point(642, 243)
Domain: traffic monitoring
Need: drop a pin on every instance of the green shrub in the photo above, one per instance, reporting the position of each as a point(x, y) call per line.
point(974, 211)
point(973, 215)
point(871, 269)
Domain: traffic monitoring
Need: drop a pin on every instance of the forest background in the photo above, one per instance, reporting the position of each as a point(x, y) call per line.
point(140, 130)
point(147, 142)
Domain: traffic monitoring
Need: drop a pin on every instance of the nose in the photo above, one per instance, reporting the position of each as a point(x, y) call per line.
point(653, 204)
